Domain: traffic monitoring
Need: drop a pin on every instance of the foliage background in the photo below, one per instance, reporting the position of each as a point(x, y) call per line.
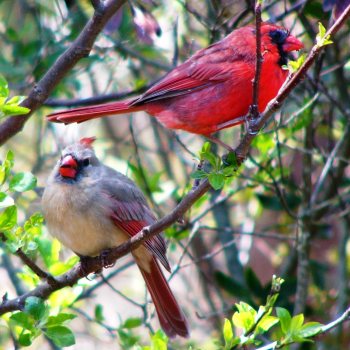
point(275, 217)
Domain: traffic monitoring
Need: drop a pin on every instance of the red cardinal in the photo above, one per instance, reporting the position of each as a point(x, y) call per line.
point(212, 90)
point(90, 207)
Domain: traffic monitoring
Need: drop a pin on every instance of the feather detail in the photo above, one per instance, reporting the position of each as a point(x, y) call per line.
point(171, 317)
point(79, 115)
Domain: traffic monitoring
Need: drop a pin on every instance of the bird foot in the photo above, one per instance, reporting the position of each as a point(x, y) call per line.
point(86, 263)
point(198, 181)
point(105, 259)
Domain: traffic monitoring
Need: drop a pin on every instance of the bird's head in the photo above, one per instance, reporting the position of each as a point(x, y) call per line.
point(77, 160)
point(276, 38)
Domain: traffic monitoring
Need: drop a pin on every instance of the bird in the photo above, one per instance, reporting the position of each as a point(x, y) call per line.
point(212, 90)
point(90, 208)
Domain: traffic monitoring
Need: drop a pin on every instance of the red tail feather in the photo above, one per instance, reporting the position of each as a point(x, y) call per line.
point(171, 317)
point(78, 115)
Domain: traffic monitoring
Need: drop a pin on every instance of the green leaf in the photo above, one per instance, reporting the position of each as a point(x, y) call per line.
point(4, 90)
point(8, 218)
point(16, 100)
point(59, 319)
point(132, 322)
point(296, 323)
point(285, 319)
point(210, 157)
point(243, 320)
point(310, 329)
point(321, 38)
point(23, 320)
point(127, 339)
point(227, 332)
point(229, 170)
point(245, 317)
point(293, 66)
point(199, 174)
point(60, 335)
point(230, 159)
point(12, 110)
point(99, 313)
point(10, 156)
point(266, 323)
point(23, 181)
point(5, 200)
point(6, 166)
point(216, 180)
point(25, 339)
point(206, 147)
point(159, 341)
point(36, 307)
point(264, 142)
point(2, 175)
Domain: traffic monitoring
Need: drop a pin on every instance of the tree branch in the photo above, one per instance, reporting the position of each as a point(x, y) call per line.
point(80, 48)
point(70, 278)
point(254, 108)
point(95, 264)
point(275, 104)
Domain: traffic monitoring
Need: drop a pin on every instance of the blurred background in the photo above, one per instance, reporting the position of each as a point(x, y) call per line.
point(275, 217)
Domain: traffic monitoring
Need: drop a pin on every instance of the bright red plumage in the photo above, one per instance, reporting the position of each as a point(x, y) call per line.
point(212, 90)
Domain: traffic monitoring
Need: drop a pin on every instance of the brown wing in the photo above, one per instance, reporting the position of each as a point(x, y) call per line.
point(130, 211)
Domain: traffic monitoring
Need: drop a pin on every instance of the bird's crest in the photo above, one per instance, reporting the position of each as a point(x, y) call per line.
point(87, 141)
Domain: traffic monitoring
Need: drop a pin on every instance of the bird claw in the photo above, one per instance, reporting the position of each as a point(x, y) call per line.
point(198, 181)
point(104, 259)
point(85, 263)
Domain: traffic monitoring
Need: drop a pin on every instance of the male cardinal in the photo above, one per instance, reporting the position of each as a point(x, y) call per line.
point(212, 90)
point(90, 207)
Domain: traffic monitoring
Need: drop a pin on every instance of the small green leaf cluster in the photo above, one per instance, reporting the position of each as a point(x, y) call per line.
point(35, 320)
point(247, 324)
point(127, 337)
point(293, 66)
point(159, 341)
point(322, 39)
point(10, 183)
point(10, 106)
point(251, 324)
point(215, 170)
point(294, 329)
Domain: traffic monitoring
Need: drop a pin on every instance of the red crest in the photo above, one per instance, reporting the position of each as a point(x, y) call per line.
point(87, 141)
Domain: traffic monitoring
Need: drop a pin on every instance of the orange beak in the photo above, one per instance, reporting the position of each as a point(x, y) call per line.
point(68, 167)
point(292, 44)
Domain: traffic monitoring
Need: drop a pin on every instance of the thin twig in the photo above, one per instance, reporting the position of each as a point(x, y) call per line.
point(328, 166)
point(254, 108)
point(30, 263)
point(80, 48)
point(94, 264)
point(50, 80)
point(275, 104)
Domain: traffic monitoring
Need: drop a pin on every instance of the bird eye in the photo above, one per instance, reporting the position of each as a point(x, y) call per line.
point(278, 36)
point(86, 162)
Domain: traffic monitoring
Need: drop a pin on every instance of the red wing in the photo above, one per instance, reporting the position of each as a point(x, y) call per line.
point(132, 217)
point(208, 66)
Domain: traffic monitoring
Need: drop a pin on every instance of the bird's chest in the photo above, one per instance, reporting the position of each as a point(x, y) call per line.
point(271, 79)
point(76, 218)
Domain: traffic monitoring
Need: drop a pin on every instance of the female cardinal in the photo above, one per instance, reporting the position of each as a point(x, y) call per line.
point(212, 90)
point(90, 207)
